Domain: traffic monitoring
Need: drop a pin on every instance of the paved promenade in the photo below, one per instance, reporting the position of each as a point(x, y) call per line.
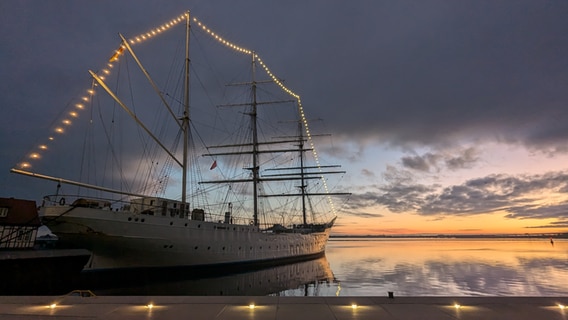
point(281, 308)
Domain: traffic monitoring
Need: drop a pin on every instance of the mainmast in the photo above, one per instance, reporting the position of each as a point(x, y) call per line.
point(255, 168)
point(185, 122)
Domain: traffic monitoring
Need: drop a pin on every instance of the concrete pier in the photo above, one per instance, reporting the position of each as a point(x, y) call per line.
point(281, 308)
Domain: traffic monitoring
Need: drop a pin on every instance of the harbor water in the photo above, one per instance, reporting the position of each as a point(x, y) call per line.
point(367, 267)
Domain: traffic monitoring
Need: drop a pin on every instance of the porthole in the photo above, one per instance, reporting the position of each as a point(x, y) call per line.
point(129, 219)
point(186, 224)
point(171, 223)
point(199, 226)
point(208, 248)
point(142, 220)
point(195, 247)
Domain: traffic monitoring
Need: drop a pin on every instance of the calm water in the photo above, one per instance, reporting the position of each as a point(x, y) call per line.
point(456, 267)
point(373, 267)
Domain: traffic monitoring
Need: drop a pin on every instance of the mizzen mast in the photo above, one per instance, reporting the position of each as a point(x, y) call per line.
point(185, 122)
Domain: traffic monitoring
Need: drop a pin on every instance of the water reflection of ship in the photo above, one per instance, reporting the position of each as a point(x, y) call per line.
point(306, 276)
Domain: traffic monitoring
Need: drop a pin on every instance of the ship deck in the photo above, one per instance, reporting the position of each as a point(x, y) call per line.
point(271, 307)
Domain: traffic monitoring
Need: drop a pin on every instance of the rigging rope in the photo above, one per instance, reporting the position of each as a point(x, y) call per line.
point(161, 29)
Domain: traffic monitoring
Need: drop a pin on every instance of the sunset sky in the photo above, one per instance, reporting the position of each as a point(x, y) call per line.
point(448, 116)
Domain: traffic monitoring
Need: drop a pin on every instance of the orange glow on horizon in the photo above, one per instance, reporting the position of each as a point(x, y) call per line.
point(414, 224)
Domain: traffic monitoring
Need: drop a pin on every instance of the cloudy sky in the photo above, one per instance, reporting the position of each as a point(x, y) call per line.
point(449, 116)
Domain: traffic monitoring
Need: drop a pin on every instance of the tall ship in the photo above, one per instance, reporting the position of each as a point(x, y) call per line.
point(253, 187)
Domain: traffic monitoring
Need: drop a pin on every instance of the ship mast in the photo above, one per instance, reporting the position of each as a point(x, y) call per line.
point(185, 122)
point(302, 172)
point(255, 168)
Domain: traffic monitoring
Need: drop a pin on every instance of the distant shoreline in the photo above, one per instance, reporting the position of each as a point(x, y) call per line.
point(458, 236)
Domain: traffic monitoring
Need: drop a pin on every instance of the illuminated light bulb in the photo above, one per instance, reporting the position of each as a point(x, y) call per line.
point(43, 147)
point(59, 130)
point(66, 121)
point(73, 114)
point(106, 71)
point(25, 165)
point(52, 306)
point(252, 306)
point(132, 41)
point(354, 306)
point(150, 306)
point(457, 306)
point(561, 306)
point(79, 106)
point(34, 155)
point(51, 138)
point(91, 91)
point(85, 99)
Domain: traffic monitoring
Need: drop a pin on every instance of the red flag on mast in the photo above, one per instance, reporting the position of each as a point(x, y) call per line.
point(214, 165)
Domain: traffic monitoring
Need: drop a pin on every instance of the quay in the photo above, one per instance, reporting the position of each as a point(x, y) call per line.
point(281, 308)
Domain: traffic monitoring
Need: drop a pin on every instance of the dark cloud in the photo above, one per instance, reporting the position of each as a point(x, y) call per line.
point(436, 72)
point(492, 193)
point(420, 163)
point(402, 73)
point(551, 225)
point(362, 214)
point(476, 196)
point(436, 162)
point(557, 211)
point(465, 160)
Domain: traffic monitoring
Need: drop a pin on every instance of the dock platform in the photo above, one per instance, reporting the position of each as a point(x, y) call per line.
point(281, 308)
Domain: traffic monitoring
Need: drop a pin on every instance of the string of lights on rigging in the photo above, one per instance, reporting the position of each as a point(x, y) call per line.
point(106, 71)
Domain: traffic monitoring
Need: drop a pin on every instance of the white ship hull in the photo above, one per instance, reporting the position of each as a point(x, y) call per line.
point(121, 239)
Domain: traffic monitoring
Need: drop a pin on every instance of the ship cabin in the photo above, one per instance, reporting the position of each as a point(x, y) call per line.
point(19, 221)
point(91, 203)
point(158, 206)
